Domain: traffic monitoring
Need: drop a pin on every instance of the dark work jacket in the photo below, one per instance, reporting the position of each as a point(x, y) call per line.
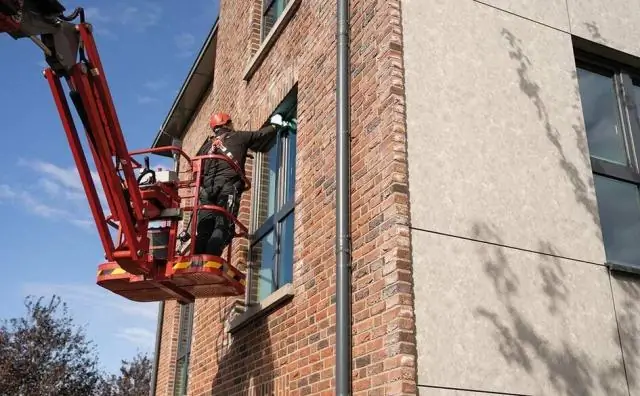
point(218, 175)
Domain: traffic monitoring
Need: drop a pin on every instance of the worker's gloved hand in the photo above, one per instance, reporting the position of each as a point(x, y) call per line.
point(277, 120)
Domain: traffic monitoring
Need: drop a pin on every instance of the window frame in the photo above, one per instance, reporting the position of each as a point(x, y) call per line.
point(623, 77)
point(183, 350)
point(266, 6)
point(284, 207)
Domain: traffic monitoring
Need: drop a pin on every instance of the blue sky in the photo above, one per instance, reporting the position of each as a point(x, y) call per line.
point(48, 240)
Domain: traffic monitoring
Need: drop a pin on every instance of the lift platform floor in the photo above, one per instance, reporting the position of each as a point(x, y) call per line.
point(200, 276)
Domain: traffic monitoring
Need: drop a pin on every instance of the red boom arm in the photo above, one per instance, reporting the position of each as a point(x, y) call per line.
point(138, 266)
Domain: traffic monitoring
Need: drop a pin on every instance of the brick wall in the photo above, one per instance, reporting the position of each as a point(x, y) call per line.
point(168, 348)
point(291, 351)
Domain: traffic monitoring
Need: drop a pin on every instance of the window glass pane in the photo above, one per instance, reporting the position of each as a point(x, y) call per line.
point(270, 17)
point(636, 95)
point(182, 377)
point(280, 4)
point(272, 9)
point(263, 254)
point(286, 259)
point(184, 332)
point(266, 195)
point(291, 168)
point(619, 206)
point(599, 105)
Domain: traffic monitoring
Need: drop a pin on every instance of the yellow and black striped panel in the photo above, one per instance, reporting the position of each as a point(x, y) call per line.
point(196, 264)
point(111, 271)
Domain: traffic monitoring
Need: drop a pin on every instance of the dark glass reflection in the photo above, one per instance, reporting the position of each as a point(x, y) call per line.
point(264, 256)
point(266, 188)
point(619, 206)
point(636, 96)
point(600, 108)
point(291, 168)
point(286, 263)
point(272, 10)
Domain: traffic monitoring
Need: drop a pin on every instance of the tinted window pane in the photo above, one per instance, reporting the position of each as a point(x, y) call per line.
point(182, 376)
point(291, 168)
point(263, 255)
point(601, 118)
point(286, 260)
point(636, 95)
point(266, 185)
point(272, 9)
point(619, 206)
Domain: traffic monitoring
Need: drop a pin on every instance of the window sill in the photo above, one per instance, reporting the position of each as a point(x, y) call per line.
point(626, 268)
point(271, 38)
point(275, 300)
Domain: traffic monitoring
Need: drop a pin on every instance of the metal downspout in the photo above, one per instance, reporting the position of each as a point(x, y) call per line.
point(343, 210)
point(156, 356)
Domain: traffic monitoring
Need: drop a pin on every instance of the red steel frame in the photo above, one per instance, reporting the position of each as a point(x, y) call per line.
point(110, 156)
point(132, 207)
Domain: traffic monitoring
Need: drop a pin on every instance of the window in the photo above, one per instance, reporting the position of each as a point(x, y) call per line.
point(271, 11)
point(273, 209)
point(610, 96)
point(184, 349)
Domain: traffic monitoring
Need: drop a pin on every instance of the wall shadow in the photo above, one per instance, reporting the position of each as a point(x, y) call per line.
point(626, 289)
point(244, 360)
point(567, 367)
point(563, 361)
point(532, 90)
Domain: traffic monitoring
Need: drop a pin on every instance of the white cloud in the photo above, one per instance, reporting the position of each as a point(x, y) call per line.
point(185, 43)
point(138, 336)
point(63, 182)
point(94, 14)
point(68, 177)
point(156, 85)
point(6, 192)
point(33, 205)
point(141, 16)
point(94, 297)
point(99, 20)
point(57, 195)
point(86, 224)
point(144, 99)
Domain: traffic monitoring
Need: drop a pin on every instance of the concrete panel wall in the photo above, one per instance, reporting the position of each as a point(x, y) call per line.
point(428, 391)
point(510, 292)
point(549, 12)
point(498, 319)
point(613, 23)
point(493, 105)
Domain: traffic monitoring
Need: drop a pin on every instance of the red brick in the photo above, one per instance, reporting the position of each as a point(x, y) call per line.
point(291, 351)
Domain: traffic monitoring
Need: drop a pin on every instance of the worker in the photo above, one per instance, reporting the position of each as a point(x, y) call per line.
point(221, 185)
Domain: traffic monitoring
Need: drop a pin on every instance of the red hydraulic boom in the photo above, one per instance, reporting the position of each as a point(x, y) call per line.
point(142, 259)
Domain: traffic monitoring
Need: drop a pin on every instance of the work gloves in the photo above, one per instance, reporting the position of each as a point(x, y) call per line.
point(279, 121)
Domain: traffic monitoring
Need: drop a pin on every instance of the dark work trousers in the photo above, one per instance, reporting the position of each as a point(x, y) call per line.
point(214, 229)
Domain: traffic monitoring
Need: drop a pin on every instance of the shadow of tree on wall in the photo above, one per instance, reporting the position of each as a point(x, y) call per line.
point(563, 360)
point(626, 303)
point(244, 360)
point(594, 30)
point(568, 368)
point(533, 91)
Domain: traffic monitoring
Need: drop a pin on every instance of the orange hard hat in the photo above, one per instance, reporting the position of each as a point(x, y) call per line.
point(219, 119)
